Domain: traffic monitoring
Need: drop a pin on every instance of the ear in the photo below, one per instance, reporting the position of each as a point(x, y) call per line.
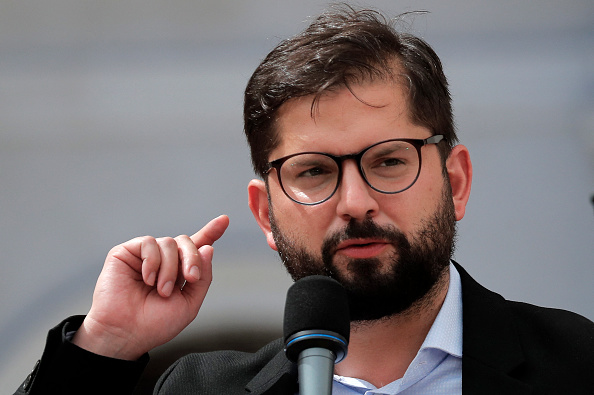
point(258, 202)
point(459, 170)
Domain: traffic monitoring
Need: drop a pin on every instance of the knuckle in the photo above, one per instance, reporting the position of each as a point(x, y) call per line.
point(116, 250)
point(167, 242)
point(146, 240)
point(119, 252)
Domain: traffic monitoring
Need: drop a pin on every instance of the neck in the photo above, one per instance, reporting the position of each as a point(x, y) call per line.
point(380, 351)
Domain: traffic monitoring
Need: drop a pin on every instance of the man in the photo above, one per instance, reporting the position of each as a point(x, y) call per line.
point(351, 131)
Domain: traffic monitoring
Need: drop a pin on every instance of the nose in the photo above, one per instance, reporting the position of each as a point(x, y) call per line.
point(355, 198)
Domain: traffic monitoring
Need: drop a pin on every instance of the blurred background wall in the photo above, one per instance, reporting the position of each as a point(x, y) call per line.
point(123, 118)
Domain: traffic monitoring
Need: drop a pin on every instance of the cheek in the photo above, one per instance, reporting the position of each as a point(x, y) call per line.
point(410, 209)
point(309, 224)
point(400, 212)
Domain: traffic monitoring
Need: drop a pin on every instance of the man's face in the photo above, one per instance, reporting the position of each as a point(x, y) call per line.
point(387, 250)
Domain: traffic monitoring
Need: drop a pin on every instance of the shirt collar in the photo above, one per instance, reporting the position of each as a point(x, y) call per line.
point(446, 332)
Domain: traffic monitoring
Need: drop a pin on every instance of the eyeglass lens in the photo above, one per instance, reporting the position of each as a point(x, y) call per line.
point(388, 167)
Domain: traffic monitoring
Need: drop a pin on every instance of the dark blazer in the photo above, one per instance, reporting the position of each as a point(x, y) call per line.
point(508, 348)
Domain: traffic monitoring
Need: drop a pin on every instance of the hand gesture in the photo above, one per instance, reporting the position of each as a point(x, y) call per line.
point(148, 291)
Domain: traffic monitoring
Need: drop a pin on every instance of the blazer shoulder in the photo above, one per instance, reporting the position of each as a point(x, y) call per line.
point(556, 328)
point(516, 346)
point(217, 372)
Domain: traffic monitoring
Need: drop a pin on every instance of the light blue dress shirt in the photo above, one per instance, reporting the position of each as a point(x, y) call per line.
point(437, 367)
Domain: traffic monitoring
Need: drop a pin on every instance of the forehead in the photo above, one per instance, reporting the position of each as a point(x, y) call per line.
point(346, 119)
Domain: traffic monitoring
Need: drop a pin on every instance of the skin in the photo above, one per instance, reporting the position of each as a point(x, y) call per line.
point(342, 117)
point(138, 303)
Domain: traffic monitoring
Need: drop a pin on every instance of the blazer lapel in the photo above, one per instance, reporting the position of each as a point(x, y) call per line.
point(491, 347)
point(279, 376)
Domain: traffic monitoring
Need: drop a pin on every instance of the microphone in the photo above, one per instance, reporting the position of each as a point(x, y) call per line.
point(316, 331)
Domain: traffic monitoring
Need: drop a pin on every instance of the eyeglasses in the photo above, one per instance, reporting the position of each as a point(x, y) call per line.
point(390, 166)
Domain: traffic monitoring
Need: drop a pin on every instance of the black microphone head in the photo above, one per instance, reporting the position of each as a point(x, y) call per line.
point(316, 315)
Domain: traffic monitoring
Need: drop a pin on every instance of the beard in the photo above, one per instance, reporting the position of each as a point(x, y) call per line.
point(403, 284)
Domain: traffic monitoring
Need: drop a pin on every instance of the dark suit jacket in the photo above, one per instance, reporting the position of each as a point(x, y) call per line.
point(508, 348)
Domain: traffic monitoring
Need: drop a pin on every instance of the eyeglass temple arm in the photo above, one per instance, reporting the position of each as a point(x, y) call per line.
point(433, 139)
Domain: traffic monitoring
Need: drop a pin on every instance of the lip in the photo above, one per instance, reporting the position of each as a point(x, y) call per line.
point(361, 248)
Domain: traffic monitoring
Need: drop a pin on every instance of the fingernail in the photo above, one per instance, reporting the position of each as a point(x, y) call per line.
point(195, 272)
point(167, 288)
point(151, 279)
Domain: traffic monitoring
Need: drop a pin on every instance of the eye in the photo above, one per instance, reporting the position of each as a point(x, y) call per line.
point(309, 166)
point(388, 162)
point(390, 166)
point(314, 172)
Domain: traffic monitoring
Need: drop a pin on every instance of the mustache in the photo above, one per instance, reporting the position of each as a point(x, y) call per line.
point(361, 230)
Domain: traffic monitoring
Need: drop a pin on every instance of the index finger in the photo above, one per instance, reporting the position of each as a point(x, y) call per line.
point(211, 232)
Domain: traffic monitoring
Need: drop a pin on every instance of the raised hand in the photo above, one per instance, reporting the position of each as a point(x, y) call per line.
point(149, 290)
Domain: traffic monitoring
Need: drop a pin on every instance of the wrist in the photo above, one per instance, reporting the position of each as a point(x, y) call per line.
point(96, 338)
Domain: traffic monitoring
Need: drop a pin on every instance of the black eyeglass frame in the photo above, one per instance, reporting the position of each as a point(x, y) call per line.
point(417, 143)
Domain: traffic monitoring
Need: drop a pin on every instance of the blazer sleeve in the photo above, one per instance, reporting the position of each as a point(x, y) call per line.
point(65, 368)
